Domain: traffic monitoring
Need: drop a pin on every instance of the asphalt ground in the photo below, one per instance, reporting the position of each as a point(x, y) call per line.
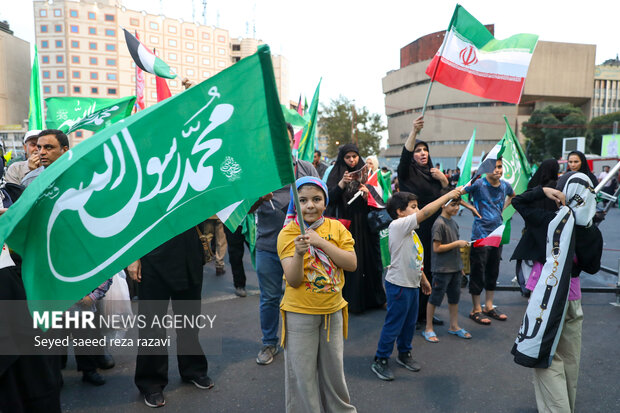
point(477, 375)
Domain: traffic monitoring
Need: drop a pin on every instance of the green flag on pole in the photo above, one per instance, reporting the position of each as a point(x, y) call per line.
point(465, 163)
point(517, 173)
point(294, 118)
point(307, 143)
point(70, 114)
point(35, 113)
point(139, 182)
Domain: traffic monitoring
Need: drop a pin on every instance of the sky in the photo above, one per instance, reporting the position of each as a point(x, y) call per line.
point(351, 45)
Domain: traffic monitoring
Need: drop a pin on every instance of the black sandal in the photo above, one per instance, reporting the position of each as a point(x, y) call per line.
point(479, 318)
point(494, 313)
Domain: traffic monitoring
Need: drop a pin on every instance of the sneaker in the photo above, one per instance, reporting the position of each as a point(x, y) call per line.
point(93, 378)
point(265, 356)
point(220, 270)
point(240, 292)
point(382, 369)
point(154, 400)
point(202, 382)
point(405, 360)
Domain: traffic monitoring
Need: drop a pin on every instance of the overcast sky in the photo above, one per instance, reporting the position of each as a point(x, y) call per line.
point(353, 44)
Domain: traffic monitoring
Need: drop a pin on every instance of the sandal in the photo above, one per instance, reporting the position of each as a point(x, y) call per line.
point(494, 313)
point(430, 336)
point(479, 318)
point(462, 333)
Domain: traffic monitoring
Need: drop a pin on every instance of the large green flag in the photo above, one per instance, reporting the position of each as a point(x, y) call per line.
point(35, 113)
point(70, 114)
point(308, 138)
point(465, 163)
point(517, 173)
point(139, 182)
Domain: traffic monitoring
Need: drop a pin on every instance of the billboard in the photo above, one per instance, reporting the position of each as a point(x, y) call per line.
point(610, 146)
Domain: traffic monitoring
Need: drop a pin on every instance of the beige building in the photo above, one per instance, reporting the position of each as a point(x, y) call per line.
point(558, 73)
point(14, 88)
point(606, 98)
point(83, 51)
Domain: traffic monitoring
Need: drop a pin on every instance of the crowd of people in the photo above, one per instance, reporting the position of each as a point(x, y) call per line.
point(330, 260)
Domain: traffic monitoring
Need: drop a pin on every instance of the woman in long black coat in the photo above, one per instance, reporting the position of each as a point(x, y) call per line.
point(363, 288)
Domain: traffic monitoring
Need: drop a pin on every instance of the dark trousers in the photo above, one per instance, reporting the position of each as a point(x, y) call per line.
point(236, 249)
point(484, 263)
point(152, 363)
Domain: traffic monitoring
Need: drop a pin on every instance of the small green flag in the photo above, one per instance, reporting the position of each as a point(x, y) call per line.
point(139, 182)
point(385, 182)
point(35, 113)
point(307, 143)
point(465, 163)
point(295, 119)
point(71, 114)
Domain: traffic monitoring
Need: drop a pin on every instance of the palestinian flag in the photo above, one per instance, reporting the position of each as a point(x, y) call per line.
point(488, 165)
point(375, 196)
point(472, 60)
point(145, 59)
point(494, 239)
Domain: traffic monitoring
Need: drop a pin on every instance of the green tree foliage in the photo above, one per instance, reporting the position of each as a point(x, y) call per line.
point(336, 119)
point(599, 126)
point(546, 128)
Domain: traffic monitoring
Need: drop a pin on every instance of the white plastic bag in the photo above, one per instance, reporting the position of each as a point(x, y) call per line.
point(116, 300)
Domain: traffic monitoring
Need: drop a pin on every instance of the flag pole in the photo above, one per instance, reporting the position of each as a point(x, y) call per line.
point(443, 45)
point(300, 217)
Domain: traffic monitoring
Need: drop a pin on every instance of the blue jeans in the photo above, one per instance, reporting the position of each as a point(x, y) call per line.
point(399, 325)
point(269, 271)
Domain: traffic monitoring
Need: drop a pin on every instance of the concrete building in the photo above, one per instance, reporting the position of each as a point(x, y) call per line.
point(83, 50)
point(14, 88)
point(558, 73)
point(606, 97)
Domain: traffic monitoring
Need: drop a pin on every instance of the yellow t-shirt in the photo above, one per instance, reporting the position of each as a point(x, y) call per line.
point(319, 293)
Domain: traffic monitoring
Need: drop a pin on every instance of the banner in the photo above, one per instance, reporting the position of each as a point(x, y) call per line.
point(71, 114)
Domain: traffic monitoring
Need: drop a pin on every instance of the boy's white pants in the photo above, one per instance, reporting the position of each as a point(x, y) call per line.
point(314, 373)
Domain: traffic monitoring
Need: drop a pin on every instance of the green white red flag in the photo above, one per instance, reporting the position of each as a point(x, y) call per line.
point(472, 60)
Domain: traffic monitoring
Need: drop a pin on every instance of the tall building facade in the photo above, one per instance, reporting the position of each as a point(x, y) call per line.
point(83, 52)
point(606, 97)
point(558, 73)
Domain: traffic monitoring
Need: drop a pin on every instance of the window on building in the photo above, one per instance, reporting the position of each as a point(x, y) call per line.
point(236, 59)
point(75, 59)
point(58, 28)
point(206, 74)
point(154, 39)
point(79, 134)
point(60, 74)
point(173, 83)
point(154, 95)
point(189, 59)
point(60, 58)
point(134, 22)
point(153, 82)
point(221, 64)
point(44, 28)
point(111, 76)
point(91, 15)
point(189, 46)
point(94, 75)
point(110, 62)
point(46, 74)
point(92, 46)
point(110, 47)
point(75, 44)
point(45, 59)
point(92, 30)
point(206, 61)
point(172, 29)
point(111, 91)
point(75, 28)
point(206, 36)
point(109, 17)
point(44, 44)
point(75, 74)
point(221, 39)
point(94, 90)
point(93, 60)
point(189, 32)
point(221, 51)
point(172, 42)
point(61, 89)
point(47, 89)
point(43, 13)
point(110, 32)
point(77, 89)
point(236, 47)
point(206, 49)
point(190, 72)
point(59, 43)
point(73, 13)
point(154, 26)
point(172, 56)
point(57, 12)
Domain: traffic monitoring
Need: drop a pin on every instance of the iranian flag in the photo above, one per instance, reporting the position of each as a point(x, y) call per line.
point(472, 60)
point(145, 59)
point(494, 239)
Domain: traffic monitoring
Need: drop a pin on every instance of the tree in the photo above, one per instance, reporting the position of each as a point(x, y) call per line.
point(336, 120)
point(599, 126)
point(546, 128)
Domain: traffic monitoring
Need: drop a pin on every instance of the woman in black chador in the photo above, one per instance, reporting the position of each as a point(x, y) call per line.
point(363, 288)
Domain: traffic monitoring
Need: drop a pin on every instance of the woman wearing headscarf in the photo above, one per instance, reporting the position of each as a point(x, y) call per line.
point(373, 164)
point(416, 175)
point(577, 162)
point(363, 288)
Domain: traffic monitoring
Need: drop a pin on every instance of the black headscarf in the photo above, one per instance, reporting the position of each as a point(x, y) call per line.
point(546, 175)
point(423, 171)
point(585, 169)
point(340, 167)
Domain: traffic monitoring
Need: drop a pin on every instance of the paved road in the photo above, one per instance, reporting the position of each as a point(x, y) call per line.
point(477, 375)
